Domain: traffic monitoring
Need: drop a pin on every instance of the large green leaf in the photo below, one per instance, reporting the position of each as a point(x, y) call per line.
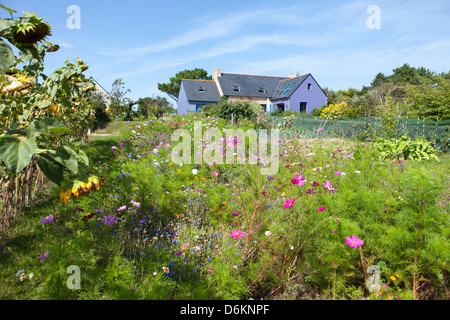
point(54, 125)
point(16, 152)
point(53, 170)
point(5, 24)
point(63, 155)
point(6, 57)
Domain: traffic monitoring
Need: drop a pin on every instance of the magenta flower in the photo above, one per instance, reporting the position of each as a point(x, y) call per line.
point(327, 185)
point(235, 213)
point(44, 256)
point(48, 219)
point(215, 174)
point(122, 208)
point(338, 173)
point(299, 180)
point(289, 203)
point(113, 148)
point(320, 209)
point(354, 242)
point(318, 130)
point(237, 234)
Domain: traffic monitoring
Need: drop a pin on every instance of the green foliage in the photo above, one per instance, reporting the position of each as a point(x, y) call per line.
point(173, 87)
point(430, 99)
point(120, 105)
point(153, 107)
point(405, 147)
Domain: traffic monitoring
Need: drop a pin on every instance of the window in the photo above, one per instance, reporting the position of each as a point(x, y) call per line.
point(287, 88)
point(261, 90)
point(309, 86)
point(280, 107)
point(264, 107)
point(199, 106)
point(236, 89)
point(201, 89)
point(303, 107)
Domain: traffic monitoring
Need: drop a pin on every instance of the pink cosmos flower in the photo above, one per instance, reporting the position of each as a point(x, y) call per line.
point(215, 174)
point(237, 234)
point(320, 209)
point(235, 213)
point(289, 203)
point(327, 185)
point(318, 130)
point(113, 148)
point(122, 208)
point(354, 242)
point(136, 204)
point(300, 180)
point(338, 173)
point(155, 150)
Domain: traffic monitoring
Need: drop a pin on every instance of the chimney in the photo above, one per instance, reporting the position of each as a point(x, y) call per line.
point(217, 73)
point(293, 75)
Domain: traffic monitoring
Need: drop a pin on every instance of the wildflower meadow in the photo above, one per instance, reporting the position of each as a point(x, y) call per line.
point(334, 222)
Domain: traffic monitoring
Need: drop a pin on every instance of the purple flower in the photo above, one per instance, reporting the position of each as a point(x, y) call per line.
point(48, 219)
point(310, 191)
point(43, 256)
point(113, 148)
point(109, 220)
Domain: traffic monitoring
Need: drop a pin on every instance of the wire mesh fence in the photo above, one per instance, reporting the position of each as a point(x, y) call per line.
point(436, 132)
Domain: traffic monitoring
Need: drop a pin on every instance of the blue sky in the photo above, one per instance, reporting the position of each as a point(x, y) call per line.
point(147, 42)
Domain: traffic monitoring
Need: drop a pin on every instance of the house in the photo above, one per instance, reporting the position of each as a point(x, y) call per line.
point(296, 93)
point(299, 94)
point(105, 96)
point(194, 94)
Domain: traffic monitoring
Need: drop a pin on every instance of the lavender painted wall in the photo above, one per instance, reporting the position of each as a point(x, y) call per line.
point(315, 98)
point(183, 103)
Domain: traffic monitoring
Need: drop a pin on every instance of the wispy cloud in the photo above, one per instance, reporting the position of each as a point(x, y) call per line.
point(209, 28)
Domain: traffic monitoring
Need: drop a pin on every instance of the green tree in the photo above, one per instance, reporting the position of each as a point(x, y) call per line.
point(153, 106)
point(173, 87)
point(120, 104)
point(430, 100)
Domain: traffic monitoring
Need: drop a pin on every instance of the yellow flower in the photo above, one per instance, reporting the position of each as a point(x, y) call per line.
point(171, 164)
point(224, 203)
point(392, 278)
point(179, 171)
point(196, 178)
point(203, 179)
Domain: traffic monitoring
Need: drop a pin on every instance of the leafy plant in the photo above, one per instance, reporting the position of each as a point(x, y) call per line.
point(403, 146)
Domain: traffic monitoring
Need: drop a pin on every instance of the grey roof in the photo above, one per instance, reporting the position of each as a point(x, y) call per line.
point(287, 87)
point(193, 92)
point(248, 85)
